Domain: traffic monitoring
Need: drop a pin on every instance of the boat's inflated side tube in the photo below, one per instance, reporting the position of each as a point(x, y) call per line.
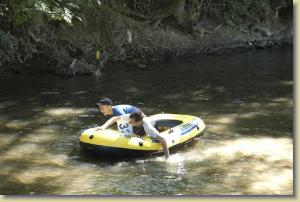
point(176, 129)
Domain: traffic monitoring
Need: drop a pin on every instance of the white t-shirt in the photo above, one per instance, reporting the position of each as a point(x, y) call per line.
point(124, 126)
point(149, 127)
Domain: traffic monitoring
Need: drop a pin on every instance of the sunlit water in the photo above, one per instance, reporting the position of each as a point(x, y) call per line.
point(245, 99)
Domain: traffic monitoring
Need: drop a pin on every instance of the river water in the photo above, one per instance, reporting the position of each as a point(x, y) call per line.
point(245, 99)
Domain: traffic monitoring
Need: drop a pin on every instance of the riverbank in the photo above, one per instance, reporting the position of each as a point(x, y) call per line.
point(107, 33)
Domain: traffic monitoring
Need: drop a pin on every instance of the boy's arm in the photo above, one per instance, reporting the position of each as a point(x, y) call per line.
point(161, 139)
point(142, 113)
point(108, 123)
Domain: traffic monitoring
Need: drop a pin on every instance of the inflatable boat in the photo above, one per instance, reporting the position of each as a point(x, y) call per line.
point(177, 129)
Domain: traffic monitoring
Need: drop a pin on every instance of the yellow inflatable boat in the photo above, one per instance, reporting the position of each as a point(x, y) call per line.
point(177, 129)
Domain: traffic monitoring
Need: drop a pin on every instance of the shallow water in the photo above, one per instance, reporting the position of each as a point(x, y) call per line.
point(245, 99)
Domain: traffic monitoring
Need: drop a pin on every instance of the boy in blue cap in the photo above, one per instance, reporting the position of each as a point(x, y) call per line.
point(106, 107)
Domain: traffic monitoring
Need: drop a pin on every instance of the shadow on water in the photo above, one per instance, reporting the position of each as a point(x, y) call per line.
point(246, 101)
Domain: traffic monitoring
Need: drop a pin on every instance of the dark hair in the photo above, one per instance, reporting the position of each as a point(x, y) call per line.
point(137, 116)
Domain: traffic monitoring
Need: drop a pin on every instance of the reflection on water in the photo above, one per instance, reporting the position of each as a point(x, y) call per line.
point(245, 100)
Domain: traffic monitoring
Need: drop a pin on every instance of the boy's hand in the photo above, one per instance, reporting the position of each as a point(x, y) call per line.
point(99, 128)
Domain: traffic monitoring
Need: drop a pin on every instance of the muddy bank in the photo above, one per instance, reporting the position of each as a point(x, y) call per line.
point(87, 38)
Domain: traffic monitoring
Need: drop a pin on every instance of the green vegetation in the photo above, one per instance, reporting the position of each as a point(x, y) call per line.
point(64, 36)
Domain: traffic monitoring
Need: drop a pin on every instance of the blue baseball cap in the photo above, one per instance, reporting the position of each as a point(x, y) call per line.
point(104, 101)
